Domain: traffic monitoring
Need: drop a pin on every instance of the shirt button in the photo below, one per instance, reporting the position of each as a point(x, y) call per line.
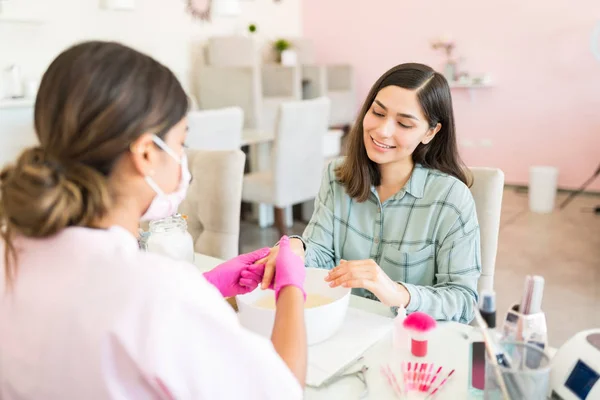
point(376, 240)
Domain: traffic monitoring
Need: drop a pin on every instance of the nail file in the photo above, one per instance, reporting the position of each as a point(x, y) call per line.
point(525, 302)
point(537, 293)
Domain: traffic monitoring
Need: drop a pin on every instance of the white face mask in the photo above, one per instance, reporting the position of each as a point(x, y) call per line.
point(165, 204)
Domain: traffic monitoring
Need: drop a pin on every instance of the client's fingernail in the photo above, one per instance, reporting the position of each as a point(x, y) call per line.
point(331, 284)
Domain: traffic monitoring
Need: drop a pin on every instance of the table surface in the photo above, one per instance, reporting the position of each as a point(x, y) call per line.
point(255, 136)
point(449, 346)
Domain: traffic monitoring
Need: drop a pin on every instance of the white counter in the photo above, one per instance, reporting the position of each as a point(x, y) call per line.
point(16, 103)
point(16, 128)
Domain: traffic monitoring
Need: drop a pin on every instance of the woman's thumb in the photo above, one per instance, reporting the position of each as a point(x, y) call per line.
point(284, 242)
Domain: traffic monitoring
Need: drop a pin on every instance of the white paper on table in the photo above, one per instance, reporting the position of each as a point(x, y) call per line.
point(358, 333)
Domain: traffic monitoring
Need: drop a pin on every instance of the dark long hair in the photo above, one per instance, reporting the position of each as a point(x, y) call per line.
point(357, 173)
point(94, 101)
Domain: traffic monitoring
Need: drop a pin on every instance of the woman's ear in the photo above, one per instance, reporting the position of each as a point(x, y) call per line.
point(431, 132)
point(144, 154)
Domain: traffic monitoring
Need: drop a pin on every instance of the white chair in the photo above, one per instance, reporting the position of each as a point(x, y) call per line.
point(332, 149)
point(213, 202)
point(487, 191)
point(297, 160)
point(333, 81)
point(233, 75)
point(219, 129)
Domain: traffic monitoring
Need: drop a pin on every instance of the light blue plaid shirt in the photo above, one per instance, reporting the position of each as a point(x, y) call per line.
point(426, 237)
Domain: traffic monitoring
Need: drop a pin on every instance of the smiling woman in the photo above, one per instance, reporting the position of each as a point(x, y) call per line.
point(395, 219)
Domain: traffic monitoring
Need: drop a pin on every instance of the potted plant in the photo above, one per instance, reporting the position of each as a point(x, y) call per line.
point(285, 55)
point(450, 68)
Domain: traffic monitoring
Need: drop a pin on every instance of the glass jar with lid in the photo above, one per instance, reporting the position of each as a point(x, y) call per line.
point(169, 237)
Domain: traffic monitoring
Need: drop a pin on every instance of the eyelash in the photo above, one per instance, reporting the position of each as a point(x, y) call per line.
point(399, 123)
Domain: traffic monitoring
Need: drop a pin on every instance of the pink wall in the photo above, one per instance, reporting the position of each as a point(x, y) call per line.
point(545, 107)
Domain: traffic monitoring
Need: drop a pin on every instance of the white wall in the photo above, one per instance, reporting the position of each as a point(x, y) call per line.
point(161, 28)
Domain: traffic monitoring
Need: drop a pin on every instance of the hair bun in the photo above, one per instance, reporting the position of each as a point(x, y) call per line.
point(40, 195)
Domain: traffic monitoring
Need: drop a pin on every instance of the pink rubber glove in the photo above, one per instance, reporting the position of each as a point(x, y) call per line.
point(228, 278)
point(289, 269)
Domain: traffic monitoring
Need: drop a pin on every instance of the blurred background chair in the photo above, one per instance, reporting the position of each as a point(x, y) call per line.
point(297, 159)
point(233, 75)
point(487, 190)
point(213, 201)
point(333, 81)
point(218, 129)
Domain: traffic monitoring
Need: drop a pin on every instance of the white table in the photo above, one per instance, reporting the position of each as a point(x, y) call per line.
point(449, 346)
point(256, 136)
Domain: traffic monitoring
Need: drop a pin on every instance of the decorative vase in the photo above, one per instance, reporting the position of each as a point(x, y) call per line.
point(289, 58)
point(450, 71)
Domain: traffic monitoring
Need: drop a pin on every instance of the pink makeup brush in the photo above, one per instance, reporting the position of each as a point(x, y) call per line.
point(437, 389)
point(430, 383)
point(409, 376)
point(421, 374)
point(391, 379)
point(404, 371)
point(424, 378)
point(413, 376)
point(419, 326)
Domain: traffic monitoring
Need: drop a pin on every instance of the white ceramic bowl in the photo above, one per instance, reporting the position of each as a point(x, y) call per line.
point(322, 322)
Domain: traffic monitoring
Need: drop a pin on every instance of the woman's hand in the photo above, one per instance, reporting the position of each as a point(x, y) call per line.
point(233, 278)
point(270, 260)
point(290, 269)
point(366, 274)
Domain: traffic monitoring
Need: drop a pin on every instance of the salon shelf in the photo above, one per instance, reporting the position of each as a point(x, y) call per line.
point(470, 85)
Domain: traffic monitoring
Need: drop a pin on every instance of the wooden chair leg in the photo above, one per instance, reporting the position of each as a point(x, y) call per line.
point(280, 222)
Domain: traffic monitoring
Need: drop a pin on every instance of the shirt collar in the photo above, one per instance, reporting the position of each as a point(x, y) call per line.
point(416, 183)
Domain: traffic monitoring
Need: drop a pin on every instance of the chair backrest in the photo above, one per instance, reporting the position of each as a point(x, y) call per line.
point(213, 201)
point(232, 51)
point(298, 150)
point(219, 129)
point(221, 87)
point(487, 190)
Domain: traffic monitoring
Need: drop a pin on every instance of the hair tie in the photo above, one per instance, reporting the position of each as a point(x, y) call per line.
point(42, 157)
point(55, 166)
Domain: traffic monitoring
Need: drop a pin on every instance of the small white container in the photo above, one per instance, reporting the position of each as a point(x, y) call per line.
point(31, 88)
point(13, 82)
point(322, 322)
point(289, 58)
point(542, 189)
point(169, 237)
point(400, 336)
